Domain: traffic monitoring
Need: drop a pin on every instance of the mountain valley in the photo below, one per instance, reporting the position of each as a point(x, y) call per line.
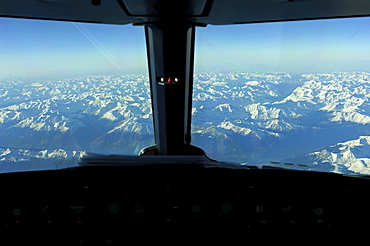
point(249, 118)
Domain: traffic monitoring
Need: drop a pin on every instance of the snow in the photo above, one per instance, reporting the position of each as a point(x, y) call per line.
point(225, 107)
point(58, 153)
point(4, 152)
point(4, 94)
point(109, 116)
point(236, 129)
point(252, 83)
point(352, 155)
point(230, 107)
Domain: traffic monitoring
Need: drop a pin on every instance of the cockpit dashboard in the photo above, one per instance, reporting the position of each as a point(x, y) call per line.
point(171, 204)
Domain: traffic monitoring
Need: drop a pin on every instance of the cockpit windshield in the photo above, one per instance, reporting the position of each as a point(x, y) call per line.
point(287, 94)
point(67, 88)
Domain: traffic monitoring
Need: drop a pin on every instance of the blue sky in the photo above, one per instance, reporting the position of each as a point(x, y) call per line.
point(43, 48)
point(47, 48)
point(300, 46)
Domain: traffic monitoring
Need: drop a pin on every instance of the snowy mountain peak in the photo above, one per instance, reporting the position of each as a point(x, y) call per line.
point(247, 117)
point(352, 155)
point(236, 129)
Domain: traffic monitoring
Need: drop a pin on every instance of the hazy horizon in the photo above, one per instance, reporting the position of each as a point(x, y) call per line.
point(39, 48)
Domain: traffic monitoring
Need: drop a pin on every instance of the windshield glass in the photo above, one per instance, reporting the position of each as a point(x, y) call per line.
point(290, 94)
point(67, 88)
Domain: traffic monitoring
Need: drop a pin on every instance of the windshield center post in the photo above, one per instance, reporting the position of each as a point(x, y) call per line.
point(170, 50)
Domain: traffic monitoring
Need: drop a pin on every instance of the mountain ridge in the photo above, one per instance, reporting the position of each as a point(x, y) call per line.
point(242, 117)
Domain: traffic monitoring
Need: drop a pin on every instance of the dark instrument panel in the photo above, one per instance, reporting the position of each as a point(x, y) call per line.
point(177, 205)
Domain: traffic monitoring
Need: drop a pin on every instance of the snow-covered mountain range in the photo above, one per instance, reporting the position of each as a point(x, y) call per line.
point(352, 156)
point(244, 117)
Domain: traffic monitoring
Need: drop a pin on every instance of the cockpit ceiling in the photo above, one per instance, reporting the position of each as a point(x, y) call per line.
point(202, 12)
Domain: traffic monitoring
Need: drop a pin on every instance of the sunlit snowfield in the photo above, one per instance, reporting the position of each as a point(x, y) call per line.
point(314, 121)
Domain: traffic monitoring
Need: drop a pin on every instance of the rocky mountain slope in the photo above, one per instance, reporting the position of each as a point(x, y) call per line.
point(352, 156)
point(275, 116)
point(243, 117)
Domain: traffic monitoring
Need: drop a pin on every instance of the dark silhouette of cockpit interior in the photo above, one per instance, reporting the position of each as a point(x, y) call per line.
point(100, 203)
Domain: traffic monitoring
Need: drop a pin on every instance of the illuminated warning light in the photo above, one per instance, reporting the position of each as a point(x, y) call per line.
point(164, 81)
